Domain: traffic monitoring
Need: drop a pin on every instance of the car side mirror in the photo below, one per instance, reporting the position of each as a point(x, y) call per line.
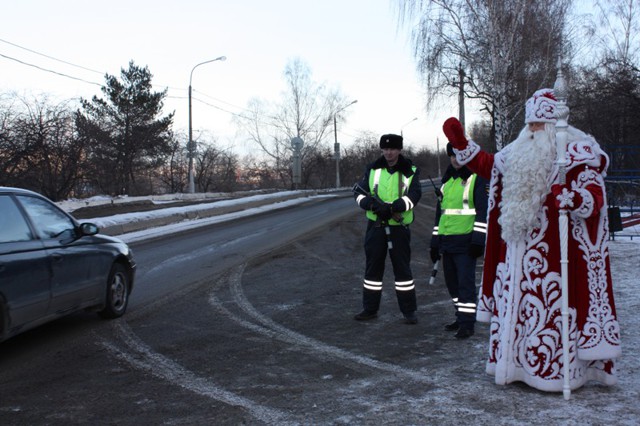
point(88, 229)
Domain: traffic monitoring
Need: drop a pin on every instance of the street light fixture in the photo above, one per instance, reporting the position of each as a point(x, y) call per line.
point(190, 147)
point(336, 146)
point(406, 124)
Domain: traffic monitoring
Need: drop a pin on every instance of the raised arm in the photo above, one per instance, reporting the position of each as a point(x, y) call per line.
point(468, 153)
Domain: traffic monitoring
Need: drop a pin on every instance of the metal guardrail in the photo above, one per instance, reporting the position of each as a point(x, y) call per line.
point(618, 223)
point(617, 235)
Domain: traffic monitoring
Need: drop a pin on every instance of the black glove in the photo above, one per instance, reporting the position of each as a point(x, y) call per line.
point(374, 205)
point(367, 202)
point(476, 250)
point(383, 211)
point(439, 194)
point(398, 205)
point(435, 254)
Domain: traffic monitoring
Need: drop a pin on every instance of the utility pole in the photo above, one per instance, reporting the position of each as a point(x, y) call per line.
point(336, 150)
point(296, 143)
point(461, 76)
point(336, 145)
point(438, 156)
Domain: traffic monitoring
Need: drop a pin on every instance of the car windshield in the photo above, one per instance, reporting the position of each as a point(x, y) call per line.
point(48, 220)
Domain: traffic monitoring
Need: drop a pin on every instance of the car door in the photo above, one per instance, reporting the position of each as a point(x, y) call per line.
point(25, 272)
point(75, 280)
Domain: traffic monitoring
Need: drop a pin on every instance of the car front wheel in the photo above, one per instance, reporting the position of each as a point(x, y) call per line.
point(118, 287)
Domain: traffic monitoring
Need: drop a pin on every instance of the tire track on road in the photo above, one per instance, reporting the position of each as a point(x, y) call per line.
point(142, 357)
point(316, 347)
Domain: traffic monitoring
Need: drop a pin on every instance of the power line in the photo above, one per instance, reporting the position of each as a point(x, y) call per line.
point(222, 109)
point(64, 62)
point(220, 100)
point(51, 71)
point(102, 73)
point(50, 57)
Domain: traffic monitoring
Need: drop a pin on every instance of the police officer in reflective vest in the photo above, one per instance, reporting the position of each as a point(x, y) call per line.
point(390, 189)
point(459, 236)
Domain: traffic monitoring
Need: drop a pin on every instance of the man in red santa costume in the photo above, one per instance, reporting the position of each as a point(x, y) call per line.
point(521, 285)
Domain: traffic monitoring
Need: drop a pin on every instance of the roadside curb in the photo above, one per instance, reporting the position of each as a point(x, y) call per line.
point(171, 215)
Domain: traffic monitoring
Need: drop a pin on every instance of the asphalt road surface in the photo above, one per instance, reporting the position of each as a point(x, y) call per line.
point(271, 340)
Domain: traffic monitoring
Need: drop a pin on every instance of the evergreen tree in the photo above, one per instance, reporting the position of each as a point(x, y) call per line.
point(124, 136)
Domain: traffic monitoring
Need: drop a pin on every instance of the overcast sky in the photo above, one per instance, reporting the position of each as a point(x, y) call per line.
point(354, 45)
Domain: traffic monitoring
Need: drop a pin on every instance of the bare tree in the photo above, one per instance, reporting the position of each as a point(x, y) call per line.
point(508, 49)
point(216, 169)
point(606, 93)
point(173, 172)
point(358, 155)
point(620, 22)
point(256, 173)
point(605, 101)
point(10, 152)
point(305, 110)
point(40, 148)
point(319, 168)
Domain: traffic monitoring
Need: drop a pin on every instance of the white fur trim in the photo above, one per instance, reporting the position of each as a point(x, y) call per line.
point(463, 156)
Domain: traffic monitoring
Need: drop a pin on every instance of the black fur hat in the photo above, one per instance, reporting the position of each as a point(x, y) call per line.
point(391, 141)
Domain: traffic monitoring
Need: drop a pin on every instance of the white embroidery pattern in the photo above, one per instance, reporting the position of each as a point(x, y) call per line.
point(536, 344)
point(586, 208)
point(585, 152)
point(600, 326)
point(565, 199)
point(493, 190)
point(587, 177)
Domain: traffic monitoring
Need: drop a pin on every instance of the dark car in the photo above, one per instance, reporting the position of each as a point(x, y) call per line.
point(51, 265)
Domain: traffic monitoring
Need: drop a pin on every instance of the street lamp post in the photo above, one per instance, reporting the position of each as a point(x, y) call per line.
point(190, 147)
point(336, 146)
point(406, 124)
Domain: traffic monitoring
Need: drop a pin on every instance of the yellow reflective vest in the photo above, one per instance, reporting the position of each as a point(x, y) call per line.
point(389, 187)
point(458, 211)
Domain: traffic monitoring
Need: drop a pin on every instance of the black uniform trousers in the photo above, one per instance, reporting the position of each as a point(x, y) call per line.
point(376, 248)
point(460, 277)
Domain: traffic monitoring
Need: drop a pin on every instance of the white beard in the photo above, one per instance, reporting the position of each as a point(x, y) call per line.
point(528, 166)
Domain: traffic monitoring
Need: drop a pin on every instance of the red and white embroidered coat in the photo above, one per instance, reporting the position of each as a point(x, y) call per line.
point(521, 284)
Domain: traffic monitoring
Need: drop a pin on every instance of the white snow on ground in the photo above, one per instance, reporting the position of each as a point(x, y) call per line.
point(189, 224)
point(127, 218)
point(75, 203)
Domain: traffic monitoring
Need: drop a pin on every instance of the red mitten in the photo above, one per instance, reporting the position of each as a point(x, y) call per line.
point(565, 198)
point(455, 133)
